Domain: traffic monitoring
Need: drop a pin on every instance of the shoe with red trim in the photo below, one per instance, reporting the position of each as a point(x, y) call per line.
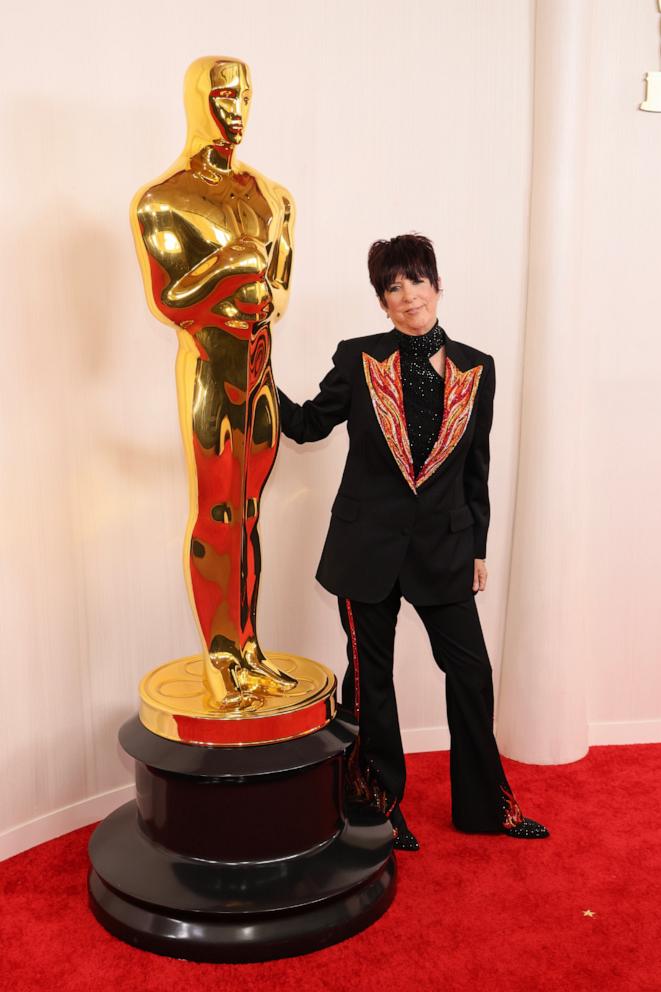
point(527, 830)
point(404, 839)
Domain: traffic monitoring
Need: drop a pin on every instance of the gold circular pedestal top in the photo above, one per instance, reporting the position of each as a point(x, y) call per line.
point(175, 703)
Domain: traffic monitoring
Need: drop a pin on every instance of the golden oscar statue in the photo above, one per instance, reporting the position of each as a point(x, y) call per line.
point(214, 238)
point(231, 851)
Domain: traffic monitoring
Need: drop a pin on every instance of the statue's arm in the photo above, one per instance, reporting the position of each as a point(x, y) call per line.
point(279, 273)
point(193, 265)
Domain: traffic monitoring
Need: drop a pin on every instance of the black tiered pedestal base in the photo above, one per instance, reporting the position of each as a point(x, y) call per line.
point(240, 854)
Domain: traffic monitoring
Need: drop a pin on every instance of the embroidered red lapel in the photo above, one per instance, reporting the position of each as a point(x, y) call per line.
point(384, 382)
point(460, 389)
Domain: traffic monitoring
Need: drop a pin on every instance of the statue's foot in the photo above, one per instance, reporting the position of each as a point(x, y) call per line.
point(222, 671)
point(237, 702)
point(259, 677)
point(257, 672)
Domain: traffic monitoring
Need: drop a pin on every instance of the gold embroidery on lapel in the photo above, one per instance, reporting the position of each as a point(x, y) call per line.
point(384, 382)
point(460, 389)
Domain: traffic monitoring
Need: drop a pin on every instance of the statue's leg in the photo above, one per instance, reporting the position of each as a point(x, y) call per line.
point(218, 442)
point(262, 438)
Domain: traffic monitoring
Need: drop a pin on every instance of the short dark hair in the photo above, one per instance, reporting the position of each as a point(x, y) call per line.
point(411, 254)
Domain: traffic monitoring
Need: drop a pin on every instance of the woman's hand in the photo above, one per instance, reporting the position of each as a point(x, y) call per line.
point(479, 575)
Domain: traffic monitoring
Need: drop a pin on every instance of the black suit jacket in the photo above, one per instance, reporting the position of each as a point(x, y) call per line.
point(385, 523)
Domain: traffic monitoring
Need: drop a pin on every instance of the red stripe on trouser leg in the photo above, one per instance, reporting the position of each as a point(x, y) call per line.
point(359, 779)
point(356, 664)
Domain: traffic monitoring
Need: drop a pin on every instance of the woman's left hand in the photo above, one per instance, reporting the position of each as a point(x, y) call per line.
point(479, 575)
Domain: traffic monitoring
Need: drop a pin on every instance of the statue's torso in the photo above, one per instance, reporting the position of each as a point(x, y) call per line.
point(212, 239)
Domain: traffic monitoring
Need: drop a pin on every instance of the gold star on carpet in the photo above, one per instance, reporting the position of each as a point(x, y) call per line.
point(588, 912)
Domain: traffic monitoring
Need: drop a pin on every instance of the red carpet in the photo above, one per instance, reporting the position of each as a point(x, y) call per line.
point(487, 913)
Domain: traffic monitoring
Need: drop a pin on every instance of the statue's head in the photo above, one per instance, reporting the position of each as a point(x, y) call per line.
point(217, 94)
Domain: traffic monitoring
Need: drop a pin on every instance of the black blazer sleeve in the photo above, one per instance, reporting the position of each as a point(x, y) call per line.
point(476, 470)
point(315, 419)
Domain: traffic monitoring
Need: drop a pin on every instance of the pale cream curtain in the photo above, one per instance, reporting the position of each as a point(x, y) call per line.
point(542, 711)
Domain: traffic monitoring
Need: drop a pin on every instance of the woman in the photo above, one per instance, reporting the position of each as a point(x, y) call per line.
point(410, 519)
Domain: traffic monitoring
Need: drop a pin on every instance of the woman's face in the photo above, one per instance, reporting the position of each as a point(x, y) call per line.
point(411, 304)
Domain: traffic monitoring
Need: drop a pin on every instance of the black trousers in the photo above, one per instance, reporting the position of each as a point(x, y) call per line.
point(482, 801)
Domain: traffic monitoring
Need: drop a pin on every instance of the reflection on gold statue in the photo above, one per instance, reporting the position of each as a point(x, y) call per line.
point(214, 239)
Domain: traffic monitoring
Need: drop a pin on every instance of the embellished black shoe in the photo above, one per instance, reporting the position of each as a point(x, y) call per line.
point(526, 829)
point(514, 823)
point(404, 839)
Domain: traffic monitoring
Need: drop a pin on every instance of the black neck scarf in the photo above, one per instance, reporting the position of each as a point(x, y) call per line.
point(423, 390)
point(421, 346)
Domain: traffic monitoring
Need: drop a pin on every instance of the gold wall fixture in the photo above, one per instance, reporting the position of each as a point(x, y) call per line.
point(652, 99)
point(215, 242)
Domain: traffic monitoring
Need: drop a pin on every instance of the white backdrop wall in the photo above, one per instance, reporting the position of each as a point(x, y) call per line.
point(380, 119)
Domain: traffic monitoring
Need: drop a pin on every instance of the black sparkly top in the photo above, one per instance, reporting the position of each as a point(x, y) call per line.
point(423, 390)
